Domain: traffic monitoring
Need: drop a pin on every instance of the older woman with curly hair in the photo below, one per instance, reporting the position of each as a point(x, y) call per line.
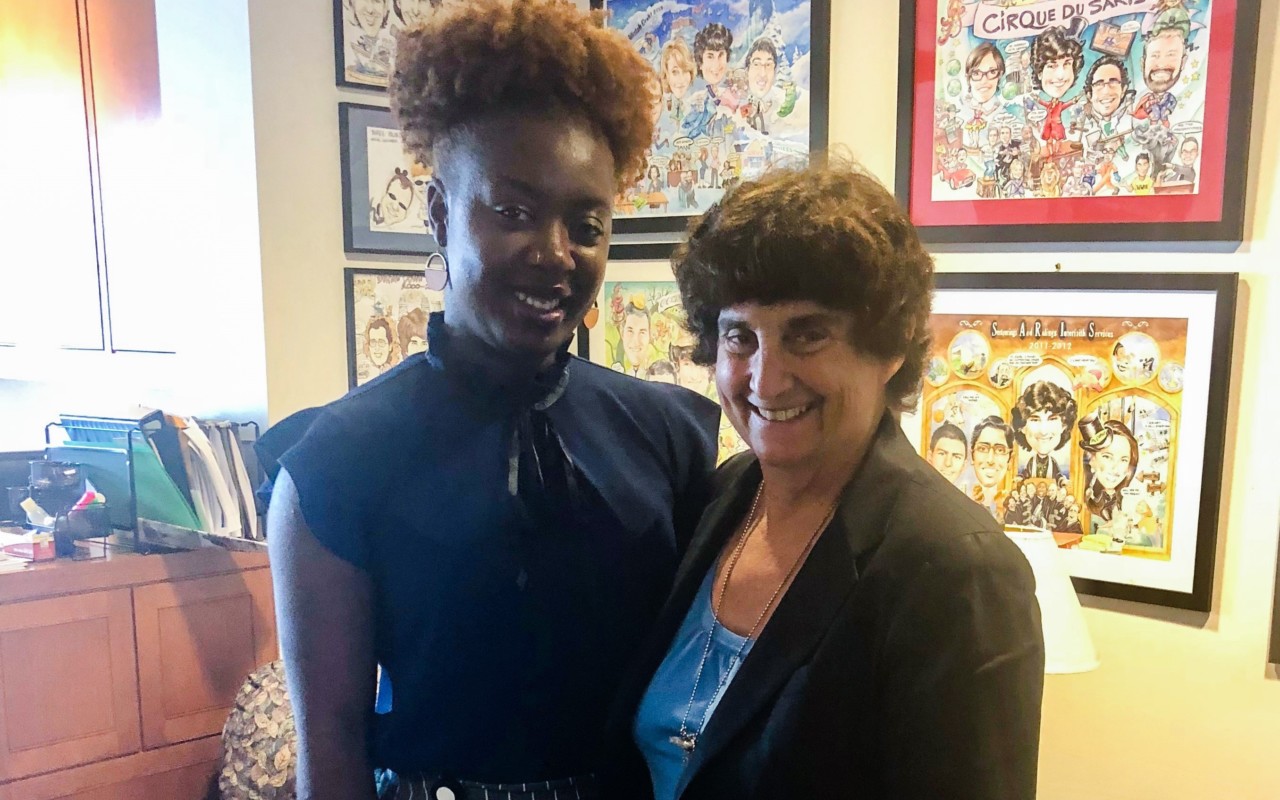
point(492, 523)
point(846, 622)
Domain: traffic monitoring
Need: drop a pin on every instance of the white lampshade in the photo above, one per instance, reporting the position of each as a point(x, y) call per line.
point(1067, 645)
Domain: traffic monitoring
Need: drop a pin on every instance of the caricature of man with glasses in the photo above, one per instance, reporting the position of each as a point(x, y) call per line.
point(992, 447)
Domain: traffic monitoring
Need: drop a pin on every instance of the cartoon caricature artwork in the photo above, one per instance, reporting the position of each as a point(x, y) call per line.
point(1069, 424)
point(397, 185)
point(1069, 98)
point(389, 320)
point(731, 83)
point(367, 31)
point(645, 337)
point(384, 189)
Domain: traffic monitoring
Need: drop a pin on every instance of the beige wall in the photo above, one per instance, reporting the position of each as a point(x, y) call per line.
point(1183, 706)
point(300, 200)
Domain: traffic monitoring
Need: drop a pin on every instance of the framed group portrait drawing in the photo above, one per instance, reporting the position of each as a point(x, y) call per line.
point(1075, 120)
point(740, 86)
point(384, 189)
point(387, 312)
point(638, 329)
point(1091, 405)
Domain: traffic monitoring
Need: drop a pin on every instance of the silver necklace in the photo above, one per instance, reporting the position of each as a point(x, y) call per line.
point(687, 740)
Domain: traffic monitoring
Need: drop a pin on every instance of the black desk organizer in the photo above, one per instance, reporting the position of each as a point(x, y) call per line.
point(104, 448)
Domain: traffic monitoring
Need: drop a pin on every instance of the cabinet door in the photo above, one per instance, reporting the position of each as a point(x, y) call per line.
point(182, 772)
point(139, 182)
point(70, 692)
point(197, 642)
point(49, 283)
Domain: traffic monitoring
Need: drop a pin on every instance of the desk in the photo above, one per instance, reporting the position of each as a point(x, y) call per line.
point(116, 674)
point(1066, 541)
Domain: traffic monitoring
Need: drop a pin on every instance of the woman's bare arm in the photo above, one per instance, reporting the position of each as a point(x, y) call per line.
point(324, 609)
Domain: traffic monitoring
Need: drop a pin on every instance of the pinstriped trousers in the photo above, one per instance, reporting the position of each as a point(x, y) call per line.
point(399, 787)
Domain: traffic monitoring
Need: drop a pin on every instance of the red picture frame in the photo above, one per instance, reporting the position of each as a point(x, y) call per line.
point(950, 158)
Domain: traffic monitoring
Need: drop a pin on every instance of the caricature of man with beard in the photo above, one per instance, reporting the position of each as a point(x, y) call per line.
point(1164, 54)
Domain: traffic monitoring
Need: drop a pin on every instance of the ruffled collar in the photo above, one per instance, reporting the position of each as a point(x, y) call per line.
point(492, 388)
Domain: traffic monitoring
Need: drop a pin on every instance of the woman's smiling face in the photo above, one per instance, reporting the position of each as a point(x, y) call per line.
point(794, 386)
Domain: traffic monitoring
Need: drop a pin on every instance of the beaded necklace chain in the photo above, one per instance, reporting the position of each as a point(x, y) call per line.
point(687, 739)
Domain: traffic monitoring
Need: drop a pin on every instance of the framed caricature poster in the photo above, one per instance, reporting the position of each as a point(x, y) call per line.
point(640, 332)
point(384, 189)
point(387, 312)
point(1075, 120)
point(741, 86)
point(1093, 406)
point(364, 37)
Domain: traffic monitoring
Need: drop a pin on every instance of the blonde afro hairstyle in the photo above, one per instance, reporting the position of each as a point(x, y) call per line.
point(478, 57)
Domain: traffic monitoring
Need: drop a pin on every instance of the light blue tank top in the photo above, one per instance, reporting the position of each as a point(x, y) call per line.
point(667, 698)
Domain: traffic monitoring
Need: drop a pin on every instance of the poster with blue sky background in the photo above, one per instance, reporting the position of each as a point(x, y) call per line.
point(732, 81)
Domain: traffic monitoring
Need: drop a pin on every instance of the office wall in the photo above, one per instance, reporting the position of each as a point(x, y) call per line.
point(300, 206)
point(1184, 706)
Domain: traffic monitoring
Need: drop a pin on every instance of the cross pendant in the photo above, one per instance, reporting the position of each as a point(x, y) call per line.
point(685, 741)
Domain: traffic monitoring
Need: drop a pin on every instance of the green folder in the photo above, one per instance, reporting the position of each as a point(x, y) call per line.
point(105, 466)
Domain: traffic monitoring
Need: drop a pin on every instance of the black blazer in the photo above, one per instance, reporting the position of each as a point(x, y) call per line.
point(905, 661)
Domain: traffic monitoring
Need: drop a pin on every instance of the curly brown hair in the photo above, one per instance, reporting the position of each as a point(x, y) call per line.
point(412, 324)
point(832, 235)
point(1051, 45)
point(1044, 396)
point(492, 56)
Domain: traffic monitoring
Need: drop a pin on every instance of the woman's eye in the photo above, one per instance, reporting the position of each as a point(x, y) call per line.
point(809, 340)
point(591, 232)
point(514, 213)
point(737, 342)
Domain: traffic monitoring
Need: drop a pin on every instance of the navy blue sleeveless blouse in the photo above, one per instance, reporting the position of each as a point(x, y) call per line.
point(504, 624)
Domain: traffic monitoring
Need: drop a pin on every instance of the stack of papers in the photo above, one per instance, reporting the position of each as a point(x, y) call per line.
point(221, 490)
point(9, 563)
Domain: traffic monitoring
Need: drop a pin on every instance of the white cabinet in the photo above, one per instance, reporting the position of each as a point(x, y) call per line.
point(83, 261)
point(50, 294)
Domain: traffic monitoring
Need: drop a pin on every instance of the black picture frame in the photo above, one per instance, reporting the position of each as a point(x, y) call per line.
point(1273, 655)
point(1222, 287)
point(354, 120)
point(353, 325)
point(351, 79)
point(1228, 226)
point(643, 251)
point(819, 120)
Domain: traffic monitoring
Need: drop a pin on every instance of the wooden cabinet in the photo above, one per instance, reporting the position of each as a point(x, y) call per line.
point(197, 640)
point(69, 693)
point(116, 676)
point(184, 772)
